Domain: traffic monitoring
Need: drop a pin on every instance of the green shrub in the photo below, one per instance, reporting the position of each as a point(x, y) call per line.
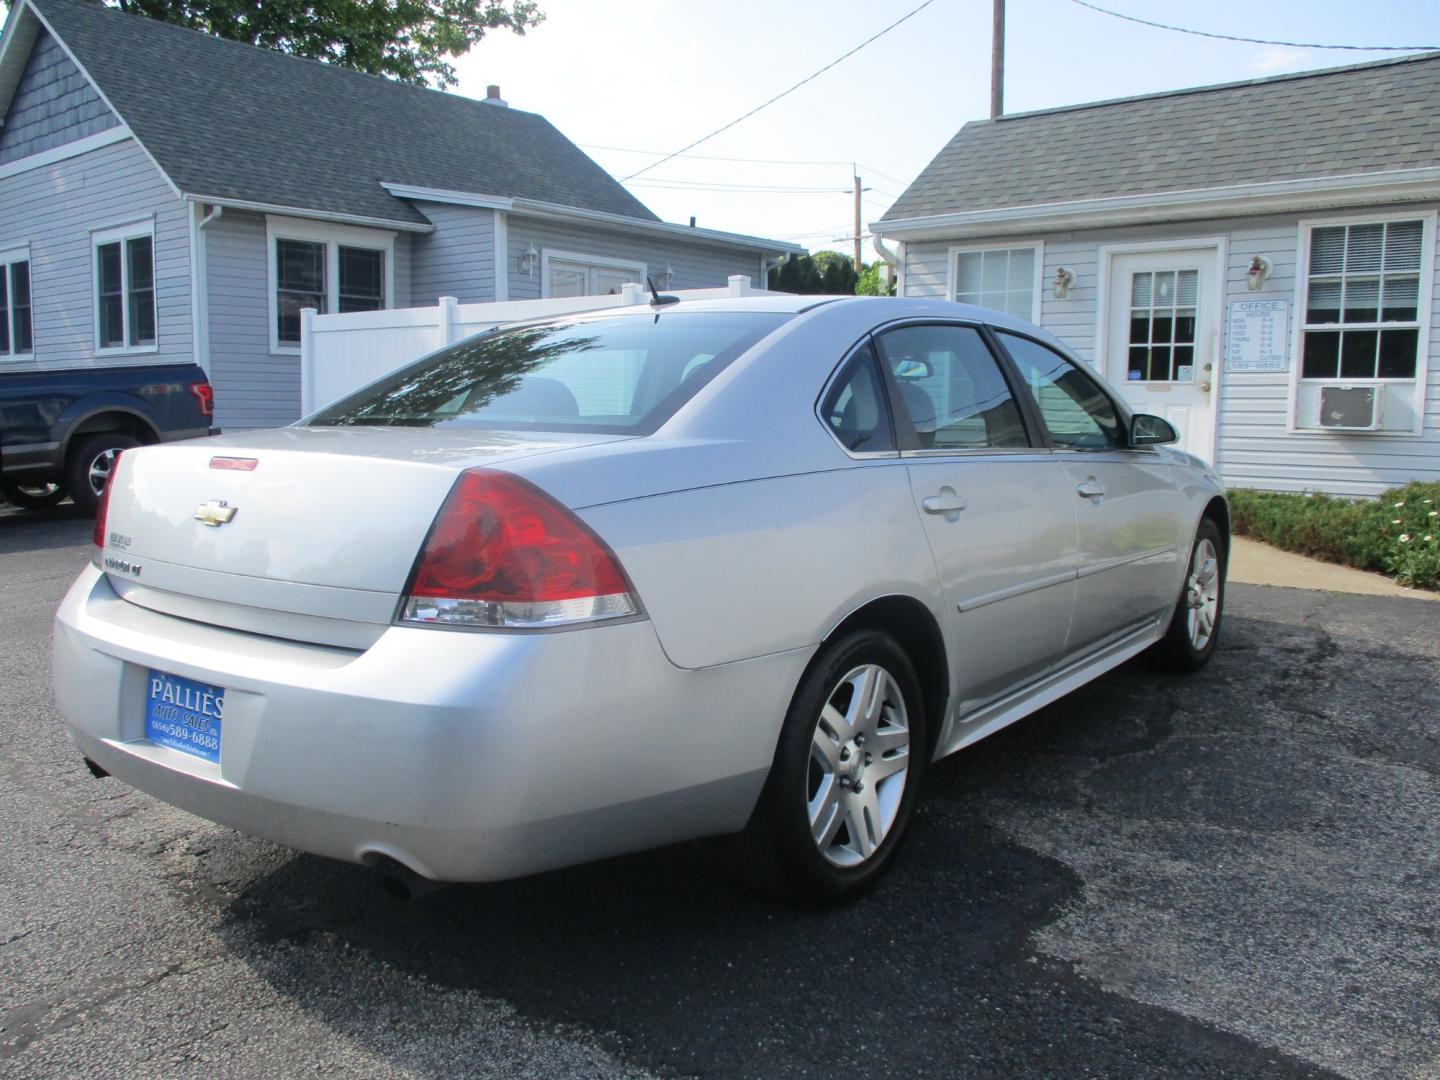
point(1398, 533)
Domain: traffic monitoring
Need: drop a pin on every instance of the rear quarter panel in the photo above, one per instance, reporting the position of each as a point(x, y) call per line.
point(741, 570)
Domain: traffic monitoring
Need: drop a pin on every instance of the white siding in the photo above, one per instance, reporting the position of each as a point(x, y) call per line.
point(253, 386)
point(1254, 447)
point(458, 258)
point(695, 265)
point(54, 209)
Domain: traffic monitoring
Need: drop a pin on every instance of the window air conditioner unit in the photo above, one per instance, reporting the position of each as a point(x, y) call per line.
point(1350, 408)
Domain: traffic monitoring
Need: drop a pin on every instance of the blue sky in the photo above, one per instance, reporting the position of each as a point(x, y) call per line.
point(655, 74)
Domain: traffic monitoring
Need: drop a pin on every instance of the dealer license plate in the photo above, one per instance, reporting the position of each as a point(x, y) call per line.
point(184, 714)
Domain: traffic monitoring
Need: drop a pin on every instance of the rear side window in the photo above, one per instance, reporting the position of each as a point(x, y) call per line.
point(1078, 413)
point(625, 375)
point(952, 388)
point(856, 409)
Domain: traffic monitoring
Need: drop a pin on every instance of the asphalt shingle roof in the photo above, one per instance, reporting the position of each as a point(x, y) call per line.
point(1366, 118)
point(233, 121)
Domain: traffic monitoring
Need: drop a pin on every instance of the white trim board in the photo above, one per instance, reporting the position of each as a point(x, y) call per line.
point(536, 208)
point(55, 154)
point(1237, 200)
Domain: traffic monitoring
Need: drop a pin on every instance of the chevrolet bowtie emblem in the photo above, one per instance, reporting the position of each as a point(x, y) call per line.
point(215, 513)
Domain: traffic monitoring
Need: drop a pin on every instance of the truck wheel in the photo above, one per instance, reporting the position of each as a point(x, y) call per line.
point(89, 464)
point(32, 496)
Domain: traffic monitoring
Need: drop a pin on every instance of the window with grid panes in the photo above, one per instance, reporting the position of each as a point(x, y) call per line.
point(1002, 279)
point(1162, 325)
point(15, 328)
point(1362, 303)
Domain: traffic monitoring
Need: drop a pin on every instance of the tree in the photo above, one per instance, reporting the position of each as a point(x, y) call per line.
point(824, 272)
point(405, 40)
point(873, 280)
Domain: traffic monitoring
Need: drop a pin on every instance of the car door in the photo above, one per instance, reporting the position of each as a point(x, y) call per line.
point(996, 506)
point(1128, 504)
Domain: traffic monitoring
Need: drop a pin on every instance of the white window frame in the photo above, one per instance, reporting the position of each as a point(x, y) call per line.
point(1423, 312)
point(334, 237)
point(601, 261)
point(8, 258)
point(1037, 246)
point(119, 234)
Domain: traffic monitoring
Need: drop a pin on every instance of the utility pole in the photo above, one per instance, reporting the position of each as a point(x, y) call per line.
point(857, 219)
point(997, 61)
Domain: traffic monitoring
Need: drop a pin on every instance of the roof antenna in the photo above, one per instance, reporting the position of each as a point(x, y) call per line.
point(658, 299)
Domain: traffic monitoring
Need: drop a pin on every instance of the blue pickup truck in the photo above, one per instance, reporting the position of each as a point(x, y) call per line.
point(60, 430)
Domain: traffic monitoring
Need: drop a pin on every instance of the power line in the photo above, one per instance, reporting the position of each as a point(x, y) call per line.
point(766, 104)
point(866, 170)
point(739, 189)
point(1250, 40)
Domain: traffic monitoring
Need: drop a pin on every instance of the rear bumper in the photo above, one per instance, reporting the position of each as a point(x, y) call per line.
point(465, 756)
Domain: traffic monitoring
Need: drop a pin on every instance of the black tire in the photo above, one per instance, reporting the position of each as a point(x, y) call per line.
point(86, 460)
point(32, 496)
point(1178, 650)
point(779, 852)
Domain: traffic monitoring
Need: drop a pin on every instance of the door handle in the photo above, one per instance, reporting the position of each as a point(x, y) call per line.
point(947, 502)
point(1091, 489)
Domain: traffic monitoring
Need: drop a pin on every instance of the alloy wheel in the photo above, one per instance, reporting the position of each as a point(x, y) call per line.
point(859, 761)
point(1202, 594)
point(99, 472)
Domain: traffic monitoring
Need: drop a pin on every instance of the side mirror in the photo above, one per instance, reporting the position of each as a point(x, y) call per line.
point(1147, 430)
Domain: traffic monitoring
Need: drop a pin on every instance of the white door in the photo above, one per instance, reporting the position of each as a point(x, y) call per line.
point(1163, 338)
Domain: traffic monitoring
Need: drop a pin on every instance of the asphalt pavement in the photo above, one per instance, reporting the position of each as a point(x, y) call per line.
point(1229, 874)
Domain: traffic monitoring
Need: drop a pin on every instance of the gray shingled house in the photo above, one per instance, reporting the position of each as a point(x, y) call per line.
point(172, 196)
point(1253, 260)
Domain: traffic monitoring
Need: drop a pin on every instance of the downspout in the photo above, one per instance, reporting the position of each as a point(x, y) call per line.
point(200, 283)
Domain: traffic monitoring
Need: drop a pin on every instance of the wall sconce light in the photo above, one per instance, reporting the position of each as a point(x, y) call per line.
point(1260, 268)
point(666, 276)
point(1064, 279)
point(530, 260)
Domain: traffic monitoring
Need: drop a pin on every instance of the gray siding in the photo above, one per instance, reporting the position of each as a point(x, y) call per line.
point(53, 105)
point(255, 388)
point(1254, 446)
point(458, 258)
point(696, 265)
point(54, 209)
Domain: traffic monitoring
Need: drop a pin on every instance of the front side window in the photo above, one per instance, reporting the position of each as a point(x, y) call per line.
point(1362, 301)
point(125, 291)
point(1078, 414)
point(16, 337)
point(624, 376)
point(952, 389)
point(1002, 279)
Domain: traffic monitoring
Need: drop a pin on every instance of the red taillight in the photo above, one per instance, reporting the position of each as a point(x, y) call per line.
point(503, 553)
point(102, 511)
point(204, 397)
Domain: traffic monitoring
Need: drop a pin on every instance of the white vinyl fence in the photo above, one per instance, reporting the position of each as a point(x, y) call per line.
point(341, 353)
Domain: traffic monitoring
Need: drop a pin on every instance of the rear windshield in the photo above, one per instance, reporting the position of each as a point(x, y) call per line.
point(625, 376)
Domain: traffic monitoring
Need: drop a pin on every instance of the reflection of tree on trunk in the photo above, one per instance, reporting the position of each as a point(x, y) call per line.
point(460, 383)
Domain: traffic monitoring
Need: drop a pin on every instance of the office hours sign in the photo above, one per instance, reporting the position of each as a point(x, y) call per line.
point(1258, 336)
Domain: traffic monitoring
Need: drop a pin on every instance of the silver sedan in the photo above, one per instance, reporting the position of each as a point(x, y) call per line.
point(593, 585)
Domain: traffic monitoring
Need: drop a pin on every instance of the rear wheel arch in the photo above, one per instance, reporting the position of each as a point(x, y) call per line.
point(111, 419)
point(912, 624)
